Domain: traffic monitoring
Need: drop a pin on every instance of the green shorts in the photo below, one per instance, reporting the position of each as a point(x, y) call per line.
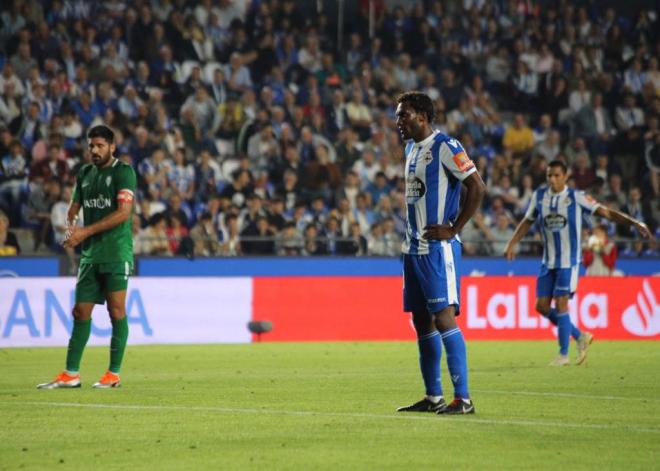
point(96, 280)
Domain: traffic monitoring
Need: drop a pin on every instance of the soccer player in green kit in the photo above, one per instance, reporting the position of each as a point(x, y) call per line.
point(105, 190)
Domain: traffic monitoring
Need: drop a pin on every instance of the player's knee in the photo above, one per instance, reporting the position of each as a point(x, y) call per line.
point(423, 323)
point(79, 314)
point(116, 312)
point(542, 307)
point(562, 304)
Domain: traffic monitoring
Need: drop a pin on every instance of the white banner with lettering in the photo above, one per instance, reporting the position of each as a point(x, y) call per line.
point(37, 311)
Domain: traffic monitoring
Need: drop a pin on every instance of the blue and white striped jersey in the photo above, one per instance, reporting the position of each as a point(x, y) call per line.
point(559, 216)
point(435, 168)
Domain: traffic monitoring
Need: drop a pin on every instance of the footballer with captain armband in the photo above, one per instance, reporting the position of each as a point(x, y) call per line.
point(105, 191)
point(436, 169)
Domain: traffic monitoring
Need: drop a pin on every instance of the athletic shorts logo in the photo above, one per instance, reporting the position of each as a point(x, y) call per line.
point(554, 222)
point(415, 189)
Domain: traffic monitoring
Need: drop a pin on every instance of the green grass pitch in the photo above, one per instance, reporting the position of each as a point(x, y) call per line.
point(331, 406)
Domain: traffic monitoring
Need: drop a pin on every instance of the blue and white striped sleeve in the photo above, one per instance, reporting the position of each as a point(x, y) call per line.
point(586, 202)
point(456, 160)
point(531, 212)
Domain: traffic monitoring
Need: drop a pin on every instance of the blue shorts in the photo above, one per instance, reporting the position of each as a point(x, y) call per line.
point(431, 281)
point(556, 282)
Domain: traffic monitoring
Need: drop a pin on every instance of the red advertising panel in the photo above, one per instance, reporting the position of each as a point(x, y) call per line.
point(493, 308)
point(332, 308)
point(502, 308)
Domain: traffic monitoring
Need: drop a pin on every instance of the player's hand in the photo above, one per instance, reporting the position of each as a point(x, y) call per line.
point(643, 229)
point(75, 236)
point(508, 252)
point(439, 232)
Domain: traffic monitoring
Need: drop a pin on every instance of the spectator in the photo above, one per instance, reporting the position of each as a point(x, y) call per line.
point(155, 240)
point(355, 244)
point(519, 137)
point(8, 243)
point(599, 256)
point(312, 246)
point(289, 241)
point(43, 195)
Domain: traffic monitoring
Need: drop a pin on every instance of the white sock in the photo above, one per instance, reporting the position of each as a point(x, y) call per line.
point(434, 399)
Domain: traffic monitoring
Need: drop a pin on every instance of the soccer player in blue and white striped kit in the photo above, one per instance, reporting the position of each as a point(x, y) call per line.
point(436, 167)
point(559, 210)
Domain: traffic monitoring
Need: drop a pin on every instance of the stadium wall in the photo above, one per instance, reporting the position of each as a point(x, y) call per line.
point(304, 266)
point(35, 311)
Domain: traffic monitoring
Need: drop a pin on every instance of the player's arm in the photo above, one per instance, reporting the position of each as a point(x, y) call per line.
point(520, 232)
point(120, 215)
point(72, 214)
point(476, 189)
point(623, 218)
point(127, 184)
point(454, 160)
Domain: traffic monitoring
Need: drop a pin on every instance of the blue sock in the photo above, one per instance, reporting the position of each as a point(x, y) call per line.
point(457, 361)
point(564, 332)
point(552, 317)
point(430, 352)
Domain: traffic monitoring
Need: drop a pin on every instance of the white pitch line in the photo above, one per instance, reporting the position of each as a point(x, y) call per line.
point(229, 410)
point(478, 391)
point(568, 395)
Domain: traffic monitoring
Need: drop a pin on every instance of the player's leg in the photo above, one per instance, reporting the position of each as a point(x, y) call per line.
point(88, 293)
point(583, 339)
point(545, 288)
point(116, 283)
point(564, 326)
point(456, 353)
point(428, 340)
point(444, 303)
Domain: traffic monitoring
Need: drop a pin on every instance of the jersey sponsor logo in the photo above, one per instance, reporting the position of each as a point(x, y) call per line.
point(462, 161)
point(415, 189)
point(97, 203)
point(554, 222)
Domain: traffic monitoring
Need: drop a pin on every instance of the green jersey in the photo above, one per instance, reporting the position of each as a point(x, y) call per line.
point(97, 191)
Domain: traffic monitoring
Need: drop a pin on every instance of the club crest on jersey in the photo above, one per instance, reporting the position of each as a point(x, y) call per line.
point(428, 158)
point(415, 189)
point(108, 179)
point(462, 161)
point(554, 222)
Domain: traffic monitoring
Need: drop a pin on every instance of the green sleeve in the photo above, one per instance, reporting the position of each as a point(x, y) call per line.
point(126, 179)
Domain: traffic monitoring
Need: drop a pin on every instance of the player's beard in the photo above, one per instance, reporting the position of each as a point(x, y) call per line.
point(102, 160)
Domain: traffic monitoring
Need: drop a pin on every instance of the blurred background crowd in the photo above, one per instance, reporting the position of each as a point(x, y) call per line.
point(266, 127)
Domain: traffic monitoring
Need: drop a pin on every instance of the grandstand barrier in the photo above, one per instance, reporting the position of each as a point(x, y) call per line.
point(35, 311)
point(302, 266)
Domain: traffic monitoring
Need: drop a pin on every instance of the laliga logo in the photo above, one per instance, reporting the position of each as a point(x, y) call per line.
point(643, 318)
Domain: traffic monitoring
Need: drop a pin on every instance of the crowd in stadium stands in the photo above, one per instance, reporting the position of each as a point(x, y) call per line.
point(255, 130)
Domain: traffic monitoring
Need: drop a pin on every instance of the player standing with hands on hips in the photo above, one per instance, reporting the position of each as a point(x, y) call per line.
point(558, 210)
point(436, 166)
point(105, 190)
